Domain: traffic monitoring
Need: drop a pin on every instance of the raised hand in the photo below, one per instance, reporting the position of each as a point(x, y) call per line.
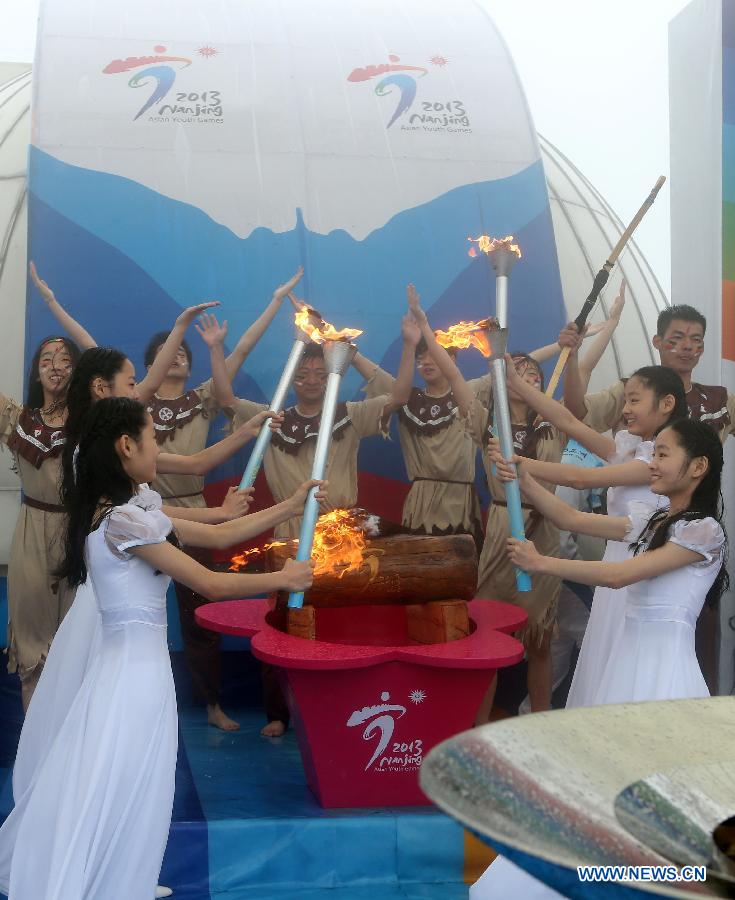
point(191, 312)
point(212, 333)
point(43, 288)
point(410, 330)
point(297, 575)
point(523, 554)
point(414, 305)
point(617, 308)
point(236, 503)
point(285, 289)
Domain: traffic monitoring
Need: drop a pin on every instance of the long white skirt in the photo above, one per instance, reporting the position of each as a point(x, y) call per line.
point(604, 628)
point(74, 647)
point(94, 820)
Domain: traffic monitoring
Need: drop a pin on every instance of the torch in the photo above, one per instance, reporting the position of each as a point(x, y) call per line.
point(338, 355)
point(503, 254)
point(600, 282)
point(308, 318)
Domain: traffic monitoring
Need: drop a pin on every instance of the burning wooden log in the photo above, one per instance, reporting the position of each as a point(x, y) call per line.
point(402, 569)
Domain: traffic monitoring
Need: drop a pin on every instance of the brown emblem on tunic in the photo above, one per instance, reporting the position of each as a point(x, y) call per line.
point(169, 414)
point(708, 403)
point(297, 429)
point(427, 415)
point(34, 440)
point(525, 437)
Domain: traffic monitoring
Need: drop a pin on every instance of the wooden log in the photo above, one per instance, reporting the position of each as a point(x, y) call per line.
point(437, 621)
point(302, 623)
point(402, 569)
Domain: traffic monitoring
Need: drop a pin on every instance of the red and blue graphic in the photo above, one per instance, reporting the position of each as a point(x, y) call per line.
point(406, 84)
point(162, 75)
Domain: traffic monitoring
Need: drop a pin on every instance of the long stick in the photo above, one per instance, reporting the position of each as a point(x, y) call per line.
point(264, 437)
point(600, 282)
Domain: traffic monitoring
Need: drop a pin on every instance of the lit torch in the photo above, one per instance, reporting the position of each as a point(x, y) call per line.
point(464, 335)
point(304, 314)
point(338, 354)
point(503, 254)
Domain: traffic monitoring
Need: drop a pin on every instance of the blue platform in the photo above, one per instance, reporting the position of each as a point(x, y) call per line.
point(246, 826)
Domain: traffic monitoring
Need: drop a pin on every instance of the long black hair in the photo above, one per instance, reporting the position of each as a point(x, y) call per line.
point(101, 481)
point(34, 395)
point(696, 439)
point(665, 382)
point(99, 362)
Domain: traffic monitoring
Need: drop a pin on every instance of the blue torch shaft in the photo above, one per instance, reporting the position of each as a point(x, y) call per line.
point(512, 488)
point(318, 470)
point(264, 437)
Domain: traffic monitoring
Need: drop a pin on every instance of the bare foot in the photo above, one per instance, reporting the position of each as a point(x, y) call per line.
point(273, 729)
point(216, 717)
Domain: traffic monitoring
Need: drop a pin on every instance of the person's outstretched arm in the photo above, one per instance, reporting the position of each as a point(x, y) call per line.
point(205, 460)
point(164, 557)
point(166, 355)
point(411, 334)
point(606, 574)
point(250, 338)
point(81, 337)
point(558, 415)
point(237, 531)
point(463, 393)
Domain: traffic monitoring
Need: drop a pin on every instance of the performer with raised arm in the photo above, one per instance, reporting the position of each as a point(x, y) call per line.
point(438, 452)
point(113, 756)
point(679, 341)
point(654, 398)
point(496, 579)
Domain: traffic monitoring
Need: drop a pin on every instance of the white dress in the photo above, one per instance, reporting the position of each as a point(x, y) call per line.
point(93, 817)
point(607, 614)
point(653, 659)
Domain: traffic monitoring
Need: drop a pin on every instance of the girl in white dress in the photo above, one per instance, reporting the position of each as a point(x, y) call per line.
point(654, 397)
point(678, 563)
point(93, 821)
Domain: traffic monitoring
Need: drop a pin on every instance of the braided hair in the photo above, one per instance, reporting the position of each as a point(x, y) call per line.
point(696, 439)
point(99, 362)
point(101, 482)
point(34, 395)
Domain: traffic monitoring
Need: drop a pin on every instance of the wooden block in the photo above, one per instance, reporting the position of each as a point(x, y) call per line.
point(302, 623)
point(437, 621)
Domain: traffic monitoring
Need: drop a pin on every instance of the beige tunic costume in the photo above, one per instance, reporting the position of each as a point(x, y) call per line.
point(496, 577)
point(182, 425)
point(290, 455)
point(37, 600)
point(439, 456)
point(707, 403)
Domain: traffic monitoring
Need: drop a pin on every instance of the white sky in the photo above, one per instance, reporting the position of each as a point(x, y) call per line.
point(596, 78)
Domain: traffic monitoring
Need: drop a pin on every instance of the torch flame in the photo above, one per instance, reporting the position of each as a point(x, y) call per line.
point(486, 244)
point(339, 545)
point(323, 331)
point(468, 334)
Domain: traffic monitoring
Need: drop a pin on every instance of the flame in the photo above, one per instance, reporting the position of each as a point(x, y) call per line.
point(468, 334)
point(339, 545)
point(323, 331)
point(487, 244)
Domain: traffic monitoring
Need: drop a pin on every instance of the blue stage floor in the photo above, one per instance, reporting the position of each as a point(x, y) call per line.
point(246, 826)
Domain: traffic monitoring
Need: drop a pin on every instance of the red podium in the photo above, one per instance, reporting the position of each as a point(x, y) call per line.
point(366, 704)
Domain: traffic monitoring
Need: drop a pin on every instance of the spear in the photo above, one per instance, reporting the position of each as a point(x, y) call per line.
point(600, 282)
